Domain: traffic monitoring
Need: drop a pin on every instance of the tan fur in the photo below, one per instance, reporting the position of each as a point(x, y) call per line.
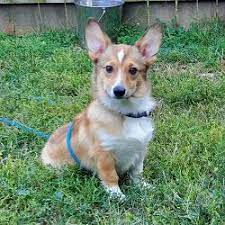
point(97, 116)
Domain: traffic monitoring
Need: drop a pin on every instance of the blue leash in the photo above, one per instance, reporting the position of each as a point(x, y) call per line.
point(22, 127)
point(68, 144)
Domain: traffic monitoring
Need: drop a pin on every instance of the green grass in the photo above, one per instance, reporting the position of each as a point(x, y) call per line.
point(45, 80)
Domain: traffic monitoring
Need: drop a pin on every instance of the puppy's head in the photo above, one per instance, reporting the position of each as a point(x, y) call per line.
point(120, 70)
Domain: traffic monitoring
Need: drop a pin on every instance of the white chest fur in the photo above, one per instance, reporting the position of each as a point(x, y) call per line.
point(130, 146)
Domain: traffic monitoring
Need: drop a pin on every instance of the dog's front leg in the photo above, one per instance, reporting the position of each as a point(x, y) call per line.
point(135, 174)
point(108, 175)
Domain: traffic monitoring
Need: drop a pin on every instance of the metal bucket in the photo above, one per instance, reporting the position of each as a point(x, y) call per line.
point(107, 12)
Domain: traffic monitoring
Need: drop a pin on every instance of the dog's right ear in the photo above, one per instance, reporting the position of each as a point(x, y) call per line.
point(96, 40)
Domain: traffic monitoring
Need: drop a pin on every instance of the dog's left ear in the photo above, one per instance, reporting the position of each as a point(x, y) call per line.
point(149, 44)
point(97, 41)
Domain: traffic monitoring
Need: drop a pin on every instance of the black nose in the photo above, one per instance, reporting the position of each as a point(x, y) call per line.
point(119, 91)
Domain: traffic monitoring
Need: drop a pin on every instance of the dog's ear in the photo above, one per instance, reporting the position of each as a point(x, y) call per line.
point(96, 40)
point(148, 45)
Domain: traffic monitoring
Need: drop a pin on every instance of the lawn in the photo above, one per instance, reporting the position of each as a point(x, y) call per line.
point(44, 82)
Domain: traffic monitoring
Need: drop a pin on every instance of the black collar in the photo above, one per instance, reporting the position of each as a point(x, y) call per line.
point(139, 115)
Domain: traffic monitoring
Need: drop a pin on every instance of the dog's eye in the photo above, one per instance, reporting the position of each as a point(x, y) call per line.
point(133, 70)
point(109, 69)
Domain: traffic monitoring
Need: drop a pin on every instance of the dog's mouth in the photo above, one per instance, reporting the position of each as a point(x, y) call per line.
point(119, 98)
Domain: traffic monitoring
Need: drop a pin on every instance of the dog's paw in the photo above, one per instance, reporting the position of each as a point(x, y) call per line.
point(142, 184)
point(115, 193)
point(121, 197)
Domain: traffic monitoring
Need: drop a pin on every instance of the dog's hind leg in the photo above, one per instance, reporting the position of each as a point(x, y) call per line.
point(54, 152)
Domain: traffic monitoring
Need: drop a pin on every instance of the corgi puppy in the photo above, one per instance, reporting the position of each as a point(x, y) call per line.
point(111, 135)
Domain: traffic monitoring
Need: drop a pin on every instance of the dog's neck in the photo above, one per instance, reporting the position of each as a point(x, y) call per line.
point(131, 106)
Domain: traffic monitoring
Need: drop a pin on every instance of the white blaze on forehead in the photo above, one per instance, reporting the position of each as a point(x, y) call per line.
point(120, 55)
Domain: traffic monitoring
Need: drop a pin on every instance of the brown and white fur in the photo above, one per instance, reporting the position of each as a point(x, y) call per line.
point(104, 139)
